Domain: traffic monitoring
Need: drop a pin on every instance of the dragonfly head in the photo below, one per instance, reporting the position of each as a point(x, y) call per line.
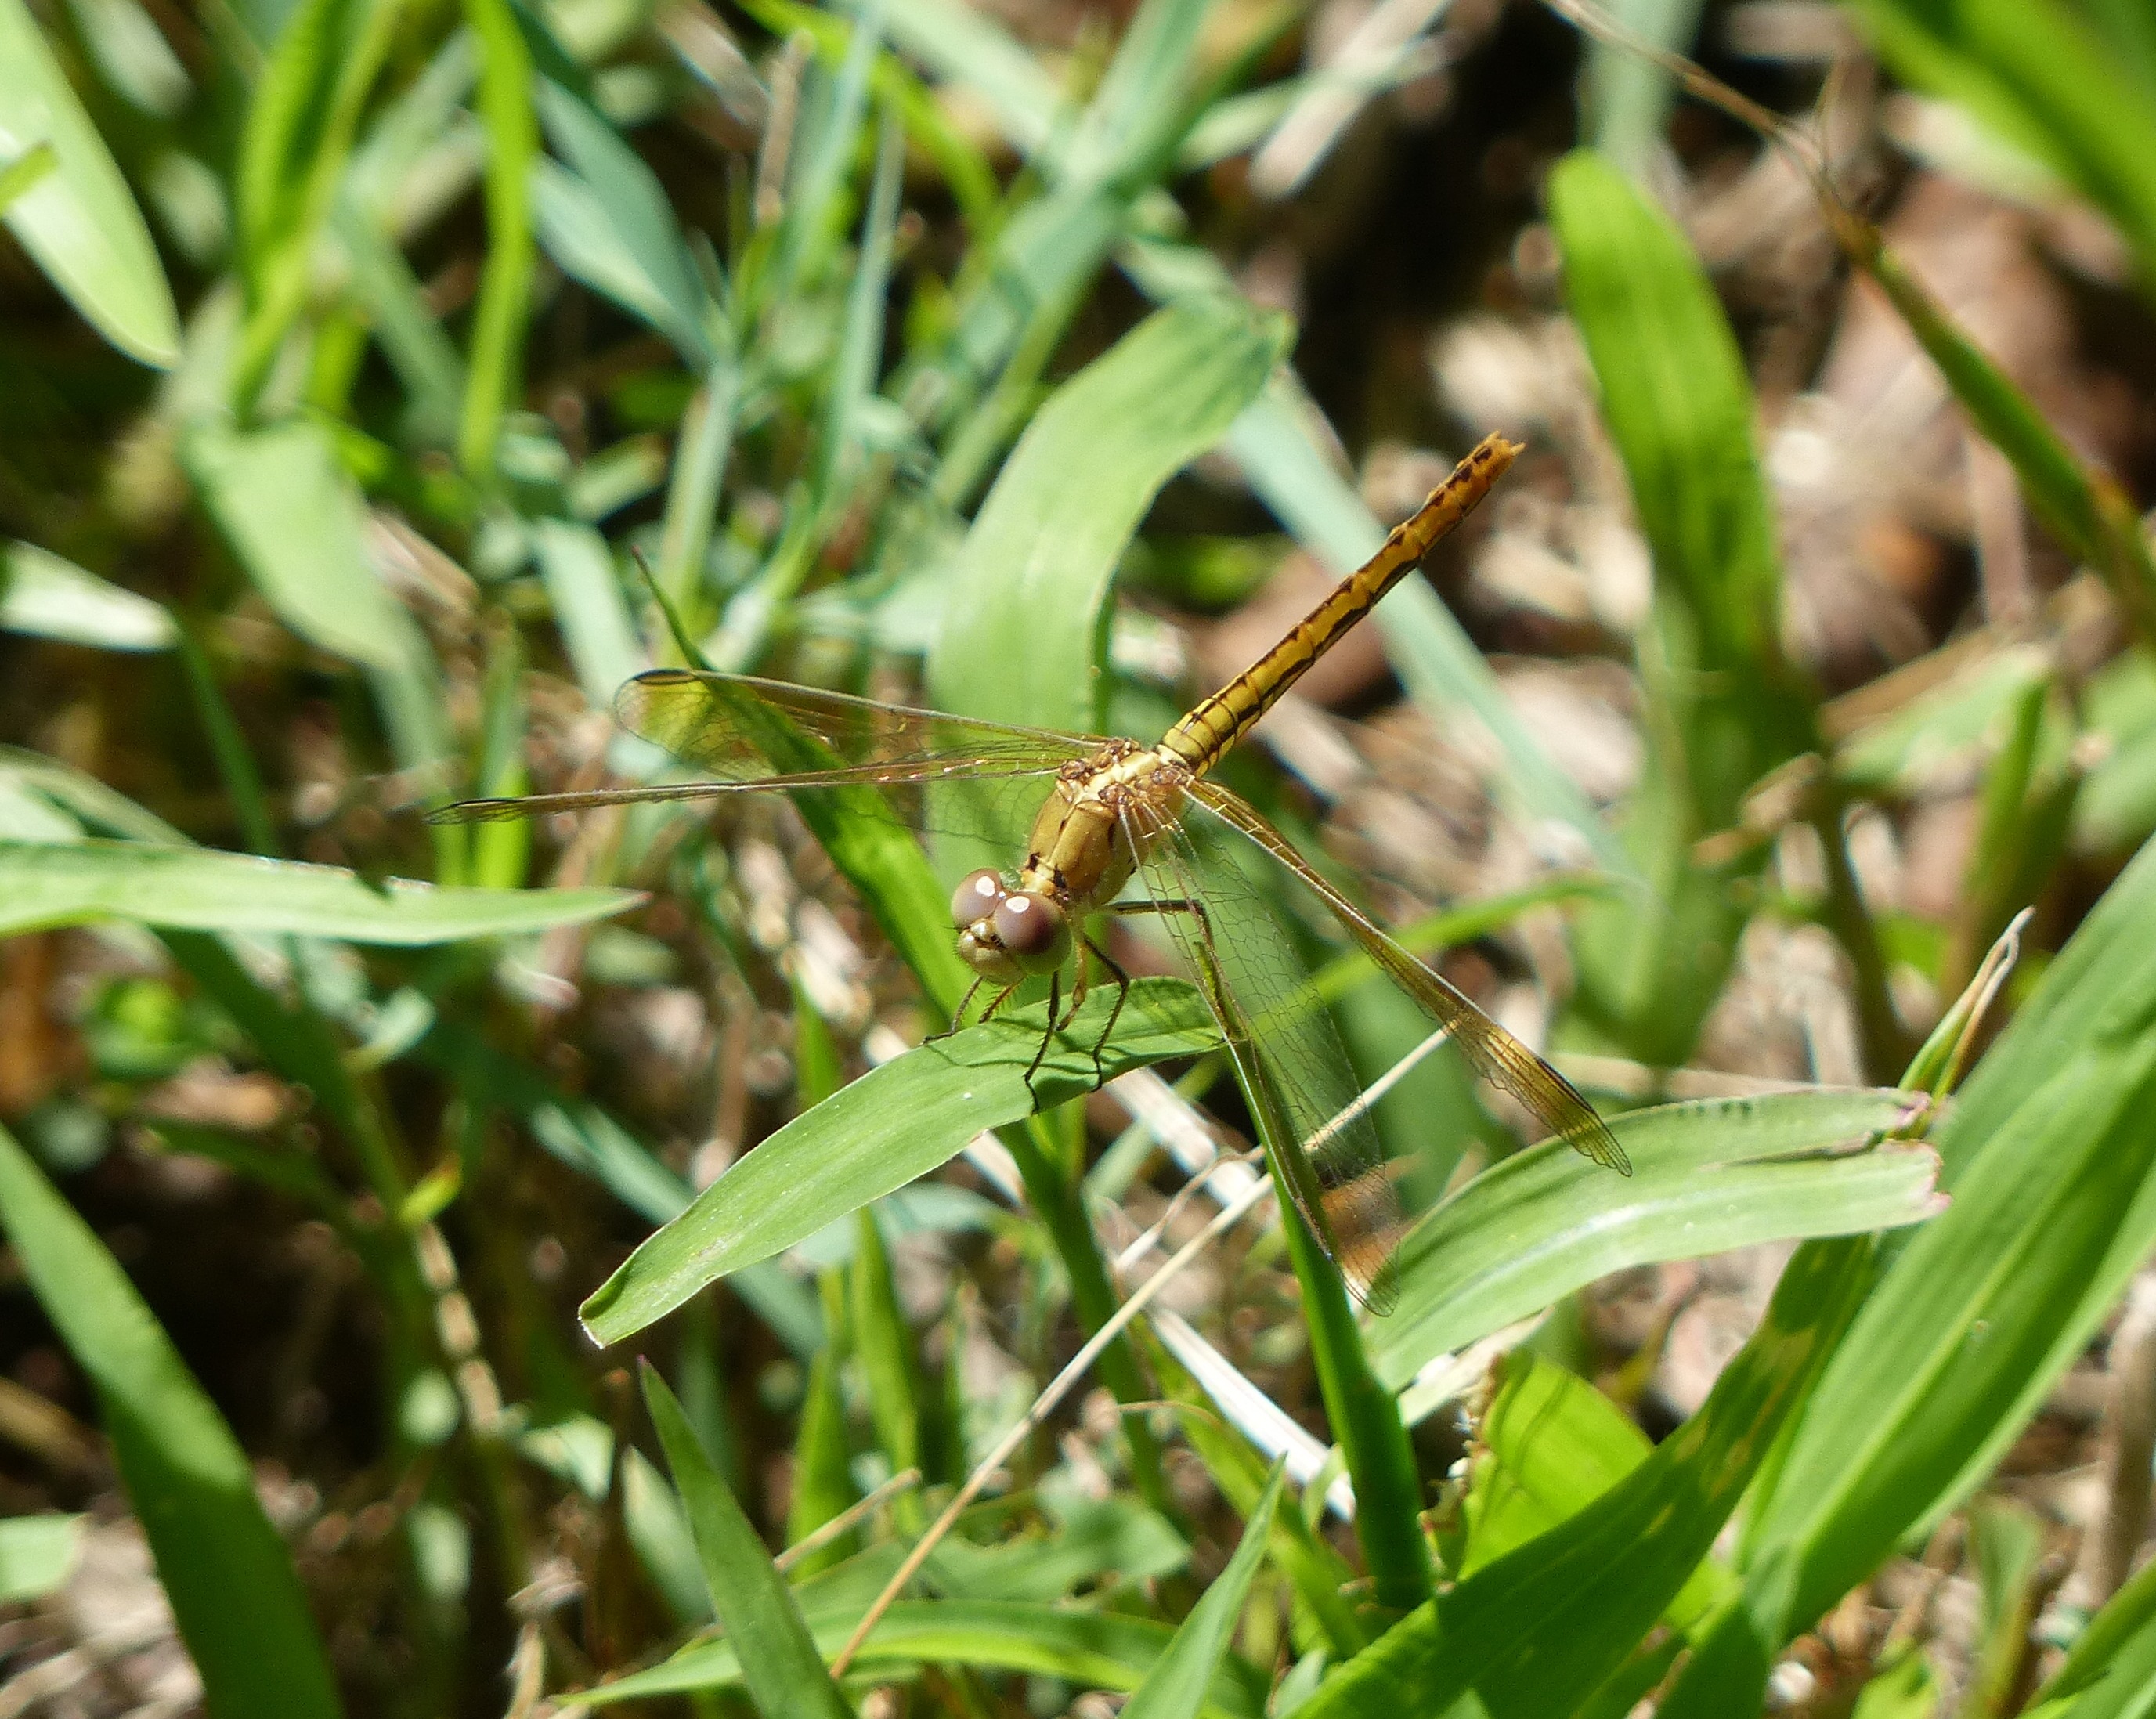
point(1005, 934)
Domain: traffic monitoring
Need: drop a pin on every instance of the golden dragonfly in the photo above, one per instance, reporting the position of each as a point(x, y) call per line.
point(1111, 810)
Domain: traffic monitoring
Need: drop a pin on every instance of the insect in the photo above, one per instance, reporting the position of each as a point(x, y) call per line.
point(1110, 811)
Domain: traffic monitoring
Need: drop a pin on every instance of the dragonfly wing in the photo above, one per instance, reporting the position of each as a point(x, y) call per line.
point(742, 729)
point(1295, 1071)
point(919, 769)
point(1498, 1056)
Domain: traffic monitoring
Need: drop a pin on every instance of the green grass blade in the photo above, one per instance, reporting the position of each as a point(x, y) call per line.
point(861, 342)
point(41, 595)
point(1707, 1176)
point(584, 589)
point(238, 1602)
point(299, 529)
point(693, 489)
point(1548, 1446)
point(2111, 1660)
point(79, 221)
point(1024, 637)
point(1093, 1650)
point(44, 885)
point(605, 219)
point(1181, 1679)
point(847, 1152)
point(2087, 511)
point(1724, 707)
point(37, 1555)
point(2037, 70)
point(1538, 1631)
point(884, 1341)
point(785, 1673)
point(2052, 1170)
point(493, 384)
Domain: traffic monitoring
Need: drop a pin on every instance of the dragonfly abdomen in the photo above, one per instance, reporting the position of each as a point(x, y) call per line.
point(1216, 725)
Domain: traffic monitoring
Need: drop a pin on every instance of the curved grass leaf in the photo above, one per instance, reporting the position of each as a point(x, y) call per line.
point(2038, 72)
point(1093, 1650)
point(1538, 1631)
point(2110, 1671)
point(1708, 1176)
point(785, 1674)
point(1181, 1679)
point(493, 383)
point(37, 1555)
point(52, 598)
point(296, 524)
point(2051, 1167)
point(1725, 708)
point(42, 885)
point(1548, 1445)
point(1024, 641)
point(608, 224)
point(79, 220)
point(238, 1603)
point(880, 1131)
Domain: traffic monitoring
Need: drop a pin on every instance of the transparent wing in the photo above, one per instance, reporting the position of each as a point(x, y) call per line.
point(1499, 1057)
point(750, 735)
point(1294, 1068)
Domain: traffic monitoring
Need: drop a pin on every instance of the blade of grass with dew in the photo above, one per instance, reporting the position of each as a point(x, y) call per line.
point(1707, 1176)
point(1023, 640)
point(785, 1673)
point(843, 1154)
point(236, 1598)
point(1181, 1679)
point(493, 383)
point(44, 885)
point(605, 219)
point(78, 220)
point(1540, 1630)
point(48, 598)
point(1092, 1649)
point(2052, 1170)
point(1547, 1447)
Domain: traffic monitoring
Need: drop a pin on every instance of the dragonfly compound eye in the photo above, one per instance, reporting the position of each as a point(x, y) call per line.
point(1031, 928)
point(978, 895)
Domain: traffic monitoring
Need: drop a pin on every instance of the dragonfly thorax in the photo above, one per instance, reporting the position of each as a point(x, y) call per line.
point(1078, 858)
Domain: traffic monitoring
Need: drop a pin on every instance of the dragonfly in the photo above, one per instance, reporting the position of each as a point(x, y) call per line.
point(1110, 811)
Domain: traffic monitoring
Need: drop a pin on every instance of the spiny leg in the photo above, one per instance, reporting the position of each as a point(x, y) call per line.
point(1196, 909)
point(958, 1014)
point(1122, 981)
point(1054, 1001)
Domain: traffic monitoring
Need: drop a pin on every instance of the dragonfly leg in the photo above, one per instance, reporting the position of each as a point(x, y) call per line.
point(1054, 1001)
point(958, 1014)
point(1122, 981)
